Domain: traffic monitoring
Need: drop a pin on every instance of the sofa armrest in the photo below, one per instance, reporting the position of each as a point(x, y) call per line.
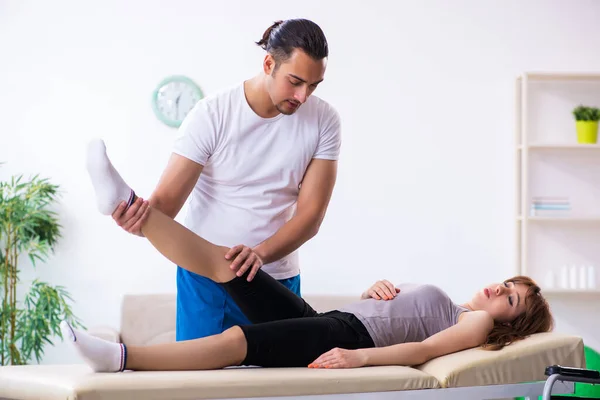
point(106, 333)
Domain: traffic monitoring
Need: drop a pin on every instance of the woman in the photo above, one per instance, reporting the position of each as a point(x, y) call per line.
point(408, 325)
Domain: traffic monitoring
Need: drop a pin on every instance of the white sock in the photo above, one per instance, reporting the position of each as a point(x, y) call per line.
point(110, 188)
point(101, 355)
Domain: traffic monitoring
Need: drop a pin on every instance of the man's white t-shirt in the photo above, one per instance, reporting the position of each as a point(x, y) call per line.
point(253, 167)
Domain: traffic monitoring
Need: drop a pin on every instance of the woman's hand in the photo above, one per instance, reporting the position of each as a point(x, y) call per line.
point(381, 290)
point(340, 358)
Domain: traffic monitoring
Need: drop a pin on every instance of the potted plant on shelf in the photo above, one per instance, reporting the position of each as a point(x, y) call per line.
point(28, 227)
point(586, 122)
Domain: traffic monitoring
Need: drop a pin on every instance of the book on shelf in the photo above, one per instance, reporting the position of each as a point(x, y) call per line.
point(550, 206)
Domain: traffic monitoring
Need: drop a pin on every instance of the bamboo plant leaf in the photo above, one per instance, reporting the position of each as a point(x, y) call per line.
point(29, 227)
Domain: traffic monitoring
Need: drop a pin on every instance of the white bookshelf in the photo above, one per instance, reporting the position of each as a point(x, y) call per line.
point(551, 163)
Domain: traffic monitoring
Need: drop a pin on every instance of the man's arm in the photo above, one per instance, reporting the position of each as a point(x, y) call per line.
point(313, 200)
point(174, 187)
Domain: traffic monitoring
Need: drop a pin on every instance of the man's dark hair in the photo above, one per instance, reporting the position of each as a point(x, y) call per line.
point(283, 37)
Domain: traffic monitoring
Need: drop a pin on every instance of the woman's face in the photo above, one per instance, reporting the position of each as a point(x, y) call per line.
point(503, 301)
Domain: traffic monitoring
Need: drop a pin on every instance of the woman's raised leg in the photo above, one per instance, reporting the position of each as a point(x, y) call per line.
point(262, 300)
point(186, 249)
point(177, 243)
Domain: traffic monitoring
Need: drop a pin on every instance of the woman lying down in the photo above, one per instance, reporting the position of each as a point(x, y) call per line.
point(408, 325)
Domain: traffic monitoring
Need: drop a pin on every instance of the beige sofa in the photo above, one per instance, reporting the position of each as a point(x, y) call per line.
point(517, 370)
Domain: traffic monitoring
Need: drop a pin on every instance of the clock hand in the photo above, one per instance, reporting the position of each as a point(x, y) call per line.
point(177, 106)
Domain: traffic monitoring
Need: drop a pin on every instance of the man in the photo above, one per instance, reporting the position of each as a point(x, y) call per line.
point(260, 163)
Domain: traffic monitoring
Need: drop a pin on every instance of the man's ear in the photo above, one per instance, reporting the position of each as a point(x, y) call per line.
point(268, 64)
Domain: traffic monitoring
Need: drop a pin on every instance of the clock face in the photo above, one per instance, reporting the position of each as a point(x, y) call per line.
point(174, 98)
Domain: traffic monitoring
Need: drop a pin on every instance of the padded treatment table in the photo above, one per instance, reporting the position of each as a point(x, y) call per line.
point(516, 370)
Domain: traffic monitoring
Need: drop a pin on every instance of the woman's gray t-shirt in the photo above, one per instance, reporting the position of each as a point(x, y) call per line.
point(416, 313)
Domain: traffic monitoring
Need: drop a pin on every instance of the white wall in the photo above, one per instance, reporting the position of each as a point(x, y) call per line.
point(425, 90)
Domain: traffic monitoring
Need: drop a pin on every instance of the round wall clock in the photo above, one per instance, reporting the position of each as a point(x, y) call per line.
point(173, 99)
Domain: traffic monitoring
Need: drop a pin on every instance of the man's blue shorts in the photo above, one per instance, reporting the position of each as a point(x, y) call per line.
point(204, 308)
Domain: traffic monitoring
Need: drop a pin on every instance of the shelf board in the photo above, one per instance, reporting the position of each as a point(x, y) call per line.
point(571, 292)
point(563, 76)
point(561, 219)
point(559, 146)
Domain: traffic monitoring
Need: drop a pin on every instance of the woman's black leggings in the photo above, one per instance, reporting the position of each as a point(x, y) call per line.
point(286, 331)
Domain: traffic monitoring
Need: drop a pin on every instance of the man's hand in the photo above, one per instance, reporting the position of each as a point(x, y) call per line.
point(133, 218)
point(340, 358)
point(381, 290)
point(246, 258)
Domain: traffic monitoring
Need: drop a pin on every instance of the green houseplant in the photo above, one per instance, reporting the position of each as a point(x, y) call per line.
point(586, 123)
point(28, 227)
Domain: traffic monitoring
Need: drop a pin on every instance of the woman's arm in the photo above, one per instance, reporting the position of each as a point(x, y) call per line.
point(471, 331)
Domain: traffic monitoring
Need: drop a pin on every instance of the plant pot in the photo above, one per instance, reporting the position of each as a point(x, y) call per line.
point(587, 131)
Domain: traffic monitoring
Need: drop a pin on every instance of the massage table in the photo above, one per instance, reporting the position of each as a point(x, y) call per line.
point(516, 370)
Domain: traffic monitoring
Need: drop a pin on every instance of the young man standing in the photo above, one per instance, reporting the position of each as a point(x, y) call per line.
point(260, 163)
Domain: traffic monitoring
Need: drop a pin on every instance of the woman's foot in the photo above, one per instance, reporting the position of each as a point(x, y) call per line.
point(110, 188)
point(101, 355)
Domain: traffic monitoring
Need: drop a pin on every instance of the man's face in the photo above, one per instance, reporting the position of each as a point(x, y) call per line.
point(293, 81)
